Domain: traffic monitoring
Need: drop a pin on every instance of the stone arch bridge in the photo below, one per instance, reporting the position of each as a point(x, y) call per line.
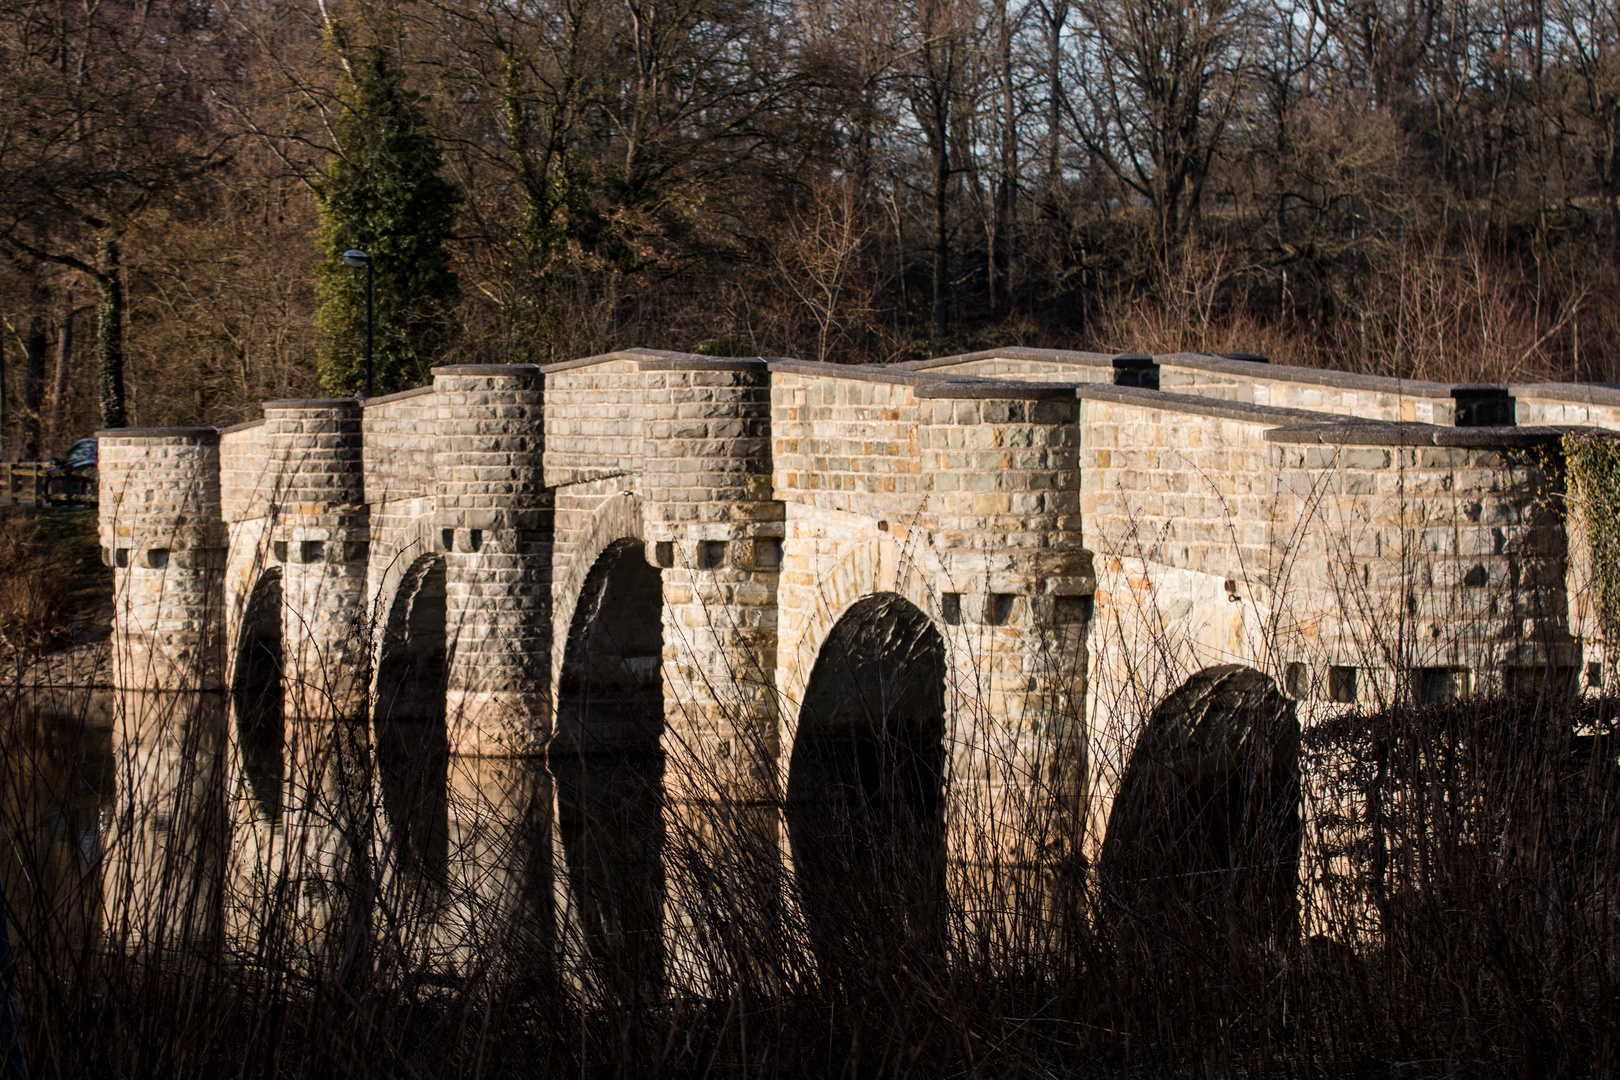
point(978, 572)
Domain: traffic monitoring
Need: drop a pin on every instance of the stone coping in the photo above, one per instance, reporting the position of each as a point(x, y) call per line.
point(1343, 380)
point(996, 388)
point(757, 363)
point(587, 361)
point(160, 434)
point(314, 403)
point(880, 373)
point(1196, 404)
point(398, 395)
point(486, 369)
point(243, 426)
point(928, 385)
point(664, 360)
point(1388, 433)
point(1581, 393)
point(1019, 352)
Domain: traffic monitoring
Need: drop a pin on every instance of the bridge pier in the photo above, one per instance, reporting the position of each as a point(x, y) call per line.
point(493, 517)
point(715, 533)
point(1014, 594)
point(319, 536)
point(163, 534)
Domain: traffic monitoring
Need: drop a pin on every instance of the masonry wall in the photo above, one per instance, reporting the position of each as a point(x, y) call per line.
point(494, 516)
point(1446, 560)
point(162, 531)
point(595, 421)
point(964, 501)
point(595, 414)
point(247, 486)
point(1562, 403)
point(1176, 506)
point(1365, 397)
point(399, 440)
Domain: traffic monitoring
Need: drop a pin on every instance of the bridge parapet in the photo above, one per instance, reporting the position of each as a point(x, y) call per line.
point(1439, 552)
point(595, 414)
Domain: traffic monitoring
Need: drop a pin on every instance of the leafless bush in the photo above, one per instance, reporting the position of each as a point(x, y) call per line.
point(1465, 856)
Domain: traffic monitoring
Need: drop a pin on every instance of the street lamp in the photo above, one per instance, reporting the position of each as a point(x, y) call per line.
point(355, 259)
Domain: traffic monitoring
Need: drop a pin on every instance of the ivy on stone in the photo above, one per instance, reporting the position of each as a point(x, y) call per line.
point(384, 195)
point(1594, 473)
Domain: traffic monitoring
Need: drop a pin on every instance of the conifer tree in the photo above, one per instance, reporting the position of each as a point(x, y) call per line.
point(384, 195)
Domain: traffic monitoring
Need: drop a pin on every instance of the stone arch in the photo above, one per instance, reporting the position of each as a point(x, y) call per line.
point(1205, 827)
point(257, 699)
point(866, 783)
point(863, 570)
point(617, 519)
point(395, 551)
point(408, 720)
point(608, 764)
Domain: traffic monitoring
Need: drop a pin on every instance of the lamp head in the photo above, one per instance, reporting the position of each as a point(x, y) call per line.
point(356, 258)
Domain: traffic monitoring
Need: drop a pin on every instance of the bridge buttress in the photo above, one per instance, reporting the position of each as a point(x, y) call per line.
point(715, 531)
point(320, 534)
point(163, 532)
point(495, 519)
point(1002, 509)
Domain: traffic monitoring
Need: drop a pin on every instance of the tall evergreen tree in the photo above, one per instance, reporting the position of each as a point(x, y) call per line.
point(384, 195)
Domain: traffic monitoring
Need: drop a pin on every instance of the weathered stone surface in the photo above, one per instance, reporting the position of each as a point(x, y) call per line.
point(1081, 542)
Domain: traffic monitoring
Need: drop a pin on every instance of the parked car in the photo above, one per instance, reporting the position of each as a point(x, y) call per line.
point(84, 454)
point(74, 475)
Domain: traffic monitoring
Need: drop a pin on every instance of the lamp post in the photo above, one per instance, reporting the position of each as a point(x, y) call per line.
point(355, 258)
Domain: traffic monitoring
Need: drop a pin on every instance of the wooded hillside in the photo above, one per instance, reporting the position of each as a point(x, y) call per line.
point(1425, 188)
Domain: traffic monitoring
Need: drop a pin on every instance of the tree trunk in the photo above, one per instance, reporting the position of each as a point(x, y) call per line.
point(1058, 15)
point(939, 103)
point(1008, 207)
point(942, 239)
point(64, 360)
point(110, 334)
point(34, 345)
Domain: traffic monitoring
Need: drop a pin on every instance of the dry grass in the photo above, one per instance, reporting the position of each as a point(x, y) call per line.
point(1462, 862)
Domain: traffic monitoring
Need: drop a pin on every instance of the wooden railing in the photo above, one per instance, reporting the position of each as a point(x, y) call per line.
point(42, 484)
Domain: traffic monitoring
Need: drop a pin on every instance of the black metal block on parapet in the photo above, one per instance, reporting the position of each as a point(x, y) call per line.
point(1135, 369)
point(1484, 406)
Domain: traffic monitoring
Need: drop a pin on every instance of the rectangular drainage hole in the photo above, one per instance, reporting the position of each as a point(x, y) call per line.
point(312, 551)
point(711, 554)
point(1435, 684)
point(767, 553)
point(1297, 681)
point(1072, 610)
point(475, 539)
point(157, 558)
point(664, 553)
point(950, 608)
point(278, 550)
point(1342, 685)
point(998, 608)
